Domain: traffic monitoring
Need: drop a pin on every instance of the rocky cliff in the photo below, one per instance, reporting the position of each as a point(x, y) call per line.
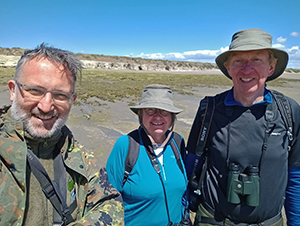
point(10, 56)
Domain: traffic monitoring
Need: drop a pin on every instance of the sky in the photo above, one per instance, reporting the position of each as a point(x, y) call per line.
point(185, 30)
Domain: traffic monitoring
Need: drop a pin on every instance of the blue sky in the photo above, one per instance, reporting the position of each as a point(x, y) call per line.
point(195, 30)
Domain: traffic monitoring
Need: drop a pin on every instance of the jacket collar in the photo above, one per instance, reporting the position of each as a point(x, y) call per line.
point(14, 149)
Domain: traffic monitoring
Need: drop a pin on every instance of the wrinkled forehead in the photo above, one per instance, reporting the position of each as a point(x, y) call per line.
point(39, 69)
point(43, 65)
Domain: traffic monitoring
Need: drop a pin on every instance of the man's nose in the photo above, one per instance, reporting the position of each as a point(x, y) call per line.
point(247, 66)
point(46, 104)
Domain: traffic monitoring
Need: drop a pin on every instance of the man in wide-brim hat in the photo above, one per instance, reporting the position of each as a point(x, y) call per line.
point(250, 62)
point(250, 40)
point(253, 159)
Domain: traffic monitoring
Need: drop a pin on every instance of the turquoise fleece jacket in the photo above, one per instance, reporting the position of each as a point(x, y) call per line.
point(143, 194)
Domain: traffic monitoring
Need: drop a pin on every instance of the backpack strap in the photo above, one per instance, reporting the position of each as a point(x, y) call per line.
point(134, 148)
point(133, 153)
point(208, 106)
point(178, 140)
point(285, 110)
point(51, 189)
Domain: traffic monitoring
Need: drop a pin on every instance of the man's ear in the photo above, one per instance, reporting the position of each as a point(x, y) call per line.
point(226, 65)
point(12, 87)
point(272, 68)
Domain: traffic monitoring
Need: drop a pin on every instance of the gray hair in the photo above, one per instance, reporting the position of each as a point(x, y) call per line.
point(272, 57)
point(61, 57)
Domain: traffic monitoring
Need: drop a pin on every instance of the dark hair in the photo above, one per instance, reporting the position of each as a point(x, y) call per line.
point(61, 57)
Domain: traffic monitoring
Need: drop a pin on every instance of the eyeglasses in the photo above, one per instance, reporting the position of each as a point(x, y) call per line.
point(37, 93)
point(152, 111)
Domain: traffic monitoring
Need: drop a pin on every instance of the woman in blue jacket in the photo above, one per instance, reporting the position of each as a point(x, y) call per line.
point(155, 186)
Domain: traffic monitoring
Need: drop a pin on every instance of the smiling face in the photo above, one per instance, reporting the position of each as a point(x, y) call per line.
point(249, 71)
point(44, 116)
point(157, 124)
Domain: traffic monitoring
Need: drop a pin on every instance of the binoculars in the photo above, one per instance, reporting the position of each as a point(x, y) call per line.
point(243, 186)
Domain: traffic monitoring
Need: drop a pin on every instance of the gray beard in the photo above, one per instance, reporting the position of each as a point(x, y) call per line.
point(21, 115)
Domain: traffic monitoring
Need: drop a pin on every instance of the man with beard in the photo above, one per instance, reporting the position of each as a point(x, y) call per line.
point(46, 178)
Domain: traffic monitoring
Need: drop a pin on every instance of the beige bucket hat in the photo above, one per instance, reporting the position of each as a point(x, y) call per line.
point(157, 96)
point(254, 39)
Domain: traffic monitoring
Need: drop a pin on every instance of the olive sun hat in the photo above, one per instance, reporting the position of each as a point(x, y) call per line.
point(253, 39)
point(157, 96)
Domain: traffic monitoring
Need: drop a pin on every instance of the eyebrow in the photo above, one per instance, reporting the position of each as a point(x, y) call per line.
point(36, 85)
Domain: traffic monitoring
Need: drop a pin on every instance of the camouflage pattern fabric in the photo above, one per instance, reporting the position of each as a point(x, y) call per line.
point(98, 203)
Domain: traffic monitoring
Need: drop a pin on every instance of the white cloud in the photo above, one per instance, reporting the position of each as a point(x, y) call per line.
point(295, 34)
point(224, 49)
point(281, 39)
point(295, 48)
point(208, 56)
point(278, 46)
point(294, 57)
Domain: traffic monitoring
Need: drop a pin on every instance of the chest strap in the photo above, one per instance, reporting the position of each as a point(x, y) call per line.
point(54, 190)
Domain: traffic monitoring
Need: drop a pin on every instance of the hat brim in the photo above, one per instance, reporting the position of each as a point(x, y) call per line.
point(162, 106)
point(282, 60)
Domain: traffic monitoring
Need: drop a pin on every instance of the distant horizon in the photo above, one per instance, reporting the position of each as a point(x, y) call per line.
point(138, 57)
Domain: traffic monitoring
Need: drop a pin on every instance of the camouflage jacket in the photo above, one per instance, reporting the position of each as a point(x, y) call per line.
point(98, 203)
